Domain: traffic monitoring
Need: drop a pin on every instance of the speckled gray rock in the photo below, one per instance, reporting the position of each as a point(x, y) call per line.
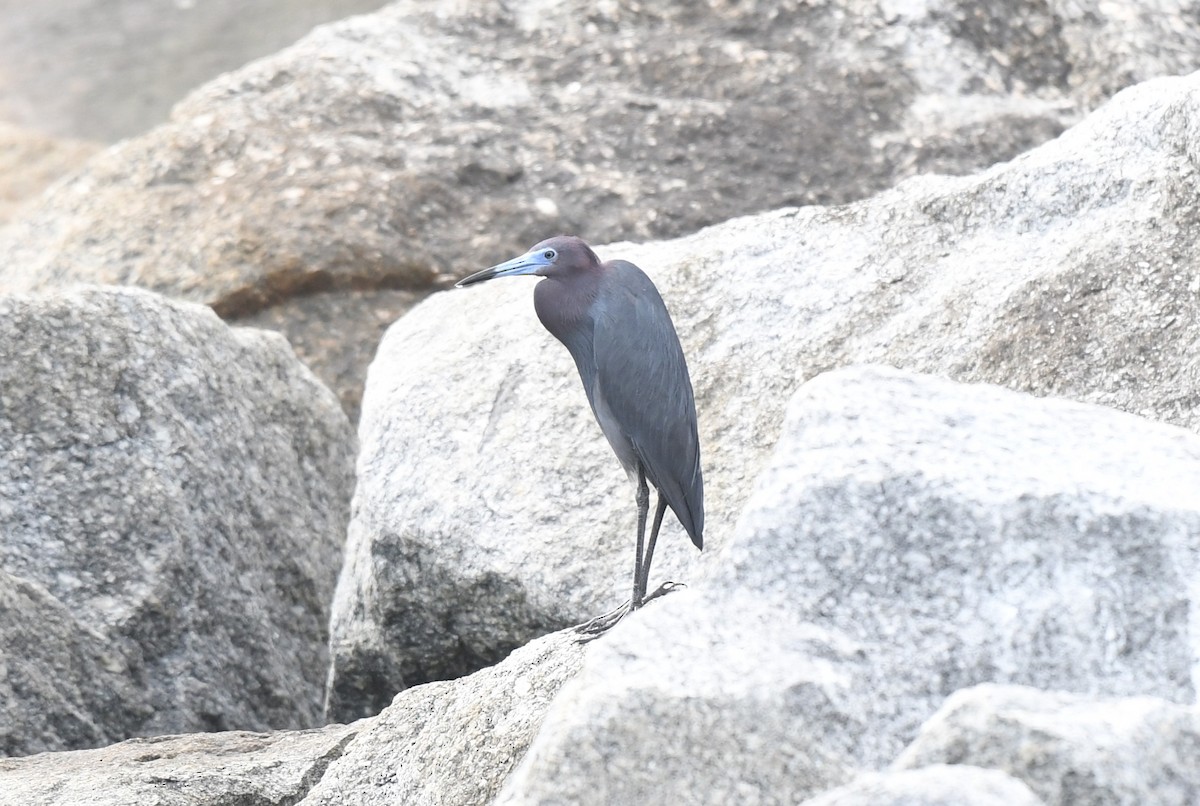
point(1069, 748)
point(693, 704)
point(208, 769)
point(969, 534)
point(59, 679)
point(936, 785)
point(910, 537)
point(451, 743)
point(489, 507)
point(431, 138)
point(173, 501)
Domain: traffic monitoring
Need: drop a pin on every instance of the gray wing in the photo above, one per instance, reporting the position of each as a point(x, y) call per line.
point(642, 388)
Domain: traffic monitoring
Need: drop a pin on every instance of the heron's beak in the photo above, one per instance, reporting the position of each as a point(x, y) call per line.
point(528, 263)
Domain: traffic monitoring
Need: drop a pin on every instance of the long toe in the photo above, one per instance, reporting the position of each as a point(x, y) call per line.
point(663, 590)
point(590, 630)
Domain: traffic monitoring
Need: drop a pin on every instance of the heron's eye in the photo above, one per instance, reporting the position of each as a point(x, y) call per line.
point(549, 254)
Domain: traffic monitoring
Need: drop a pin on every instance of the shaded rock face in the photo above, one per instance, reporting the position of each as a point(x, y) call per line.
point(329, 333)
point(428, 139)
point(174, 503)
point(1069, 748)
point(909, 537)
point(61, 684)
point(105, 69)
point(453, 742)
point(489, 508)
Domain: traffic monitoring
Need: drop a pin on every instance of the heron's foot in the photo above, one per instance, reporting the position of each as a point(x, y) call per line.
point(591, 630)
point(662, 590)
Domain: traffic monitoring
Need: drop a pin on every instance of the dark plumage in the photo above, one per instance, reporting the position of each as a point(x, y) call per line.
point(614, 323)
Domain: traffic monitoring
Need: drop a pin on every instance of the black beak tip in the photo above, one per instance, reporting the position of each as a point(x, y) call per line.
point(477, 277)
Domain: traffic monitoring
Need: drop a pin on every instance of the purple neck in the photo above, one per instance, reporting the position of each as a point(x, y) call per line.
point(563, 302)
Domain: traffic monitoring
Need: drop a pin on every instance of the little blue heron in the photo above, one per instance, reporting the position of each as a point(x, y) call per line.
point(614, 323)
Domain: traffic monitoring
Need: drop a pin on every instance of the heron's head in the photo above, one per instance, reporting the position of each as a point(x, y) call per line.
point(553, 257)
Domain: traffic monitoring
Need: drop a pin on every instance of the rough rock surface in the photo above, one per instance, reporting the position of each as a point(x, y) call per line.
point(686, 702)
point(485, 487)
point(436, 137)
point(107, 69)
point(173, 501)
point(910, 537)
point(29, 162)
point(937, 785)
point(206, 769)
point(444, 743)
point(57, 682)
point(1070, 748)
point(454, 742)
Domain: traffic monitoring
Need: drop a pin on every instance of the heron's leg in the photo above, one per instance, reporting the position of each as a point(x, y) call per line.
point(644, 578)
point(643, 505)
point(593, 629)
